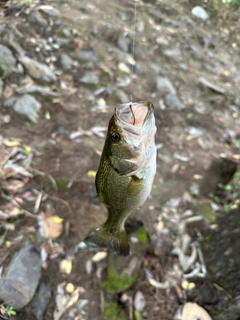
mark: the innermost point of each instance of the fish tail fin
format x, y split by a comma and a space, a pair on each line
103, 238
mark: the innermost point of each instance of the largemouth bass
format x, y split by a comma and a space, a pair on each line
126, 172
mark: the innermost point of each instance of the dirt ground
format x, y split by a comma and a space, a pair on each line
202, 125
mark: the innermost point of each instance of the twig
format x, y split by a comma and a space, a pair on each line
37, 202
65, 203
13, 201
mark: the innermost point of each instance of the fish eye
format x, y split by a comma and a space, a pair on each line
115, 137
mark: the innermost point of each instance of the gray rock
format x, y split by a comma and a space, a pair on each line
15, 46
18, 286
66, 61
36, 18
62, 41
200, 13
37, 70
123, 43
41, 301
164, 86
45, 92
28, 106
49, 10
84, 55
66, 32
122, 56
174, 54
211, 85
7, 59
172, 100
9, 102
90, 78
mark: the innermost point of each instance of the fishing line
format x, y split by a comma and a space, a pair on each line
133, 47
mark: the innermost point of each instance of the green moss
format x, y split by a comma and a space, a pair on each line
62, 184
137, 315
116, 283
205, 243
142, 235
213, 268
206, 211
112, 311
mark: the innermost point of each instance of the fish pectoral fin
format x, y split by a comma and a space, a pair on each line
103, 238
134, 186
123, 166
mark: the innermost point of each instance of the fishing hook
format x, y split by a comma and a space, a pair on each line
132, 114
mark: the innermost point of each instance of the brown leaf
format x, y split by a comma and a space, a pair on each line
53, 226
192, 311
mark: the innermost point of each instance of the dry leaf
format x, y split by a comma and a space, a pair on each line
157, 284
53, 226
69, 287
92, 173
11, 143
99, 256
123, 67
66, 266
192, 311
188, 285
139, 301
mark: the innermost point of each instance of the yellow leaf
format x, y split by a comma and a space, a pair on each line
188, 285
99, 256
74, 298
7, 244
66, 266
11, 143
69, 288
91, 173
53, 226
47, 115
98, 152
160, 224
28, 149
57, 219
227, 73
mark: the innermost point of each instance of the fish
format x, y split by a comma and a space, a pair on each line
126, 172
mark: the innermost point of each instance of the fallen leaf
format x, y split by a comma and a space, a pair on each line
188, 285
123, 67
99, 256
91, 173
157, 284
139, 301
192, 311
160, 224
69, 287
47, 115
66, 266
11, 143
53, 226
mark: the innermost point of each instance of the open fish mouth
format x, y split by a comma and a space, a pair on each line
133, 113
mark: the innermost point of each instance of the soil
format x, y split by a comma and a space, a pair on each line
202, 49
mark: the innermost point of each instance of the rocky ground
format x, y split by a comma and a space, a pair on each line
64, 66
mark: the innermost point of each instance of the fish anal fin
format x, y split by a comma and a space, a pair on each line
103, 238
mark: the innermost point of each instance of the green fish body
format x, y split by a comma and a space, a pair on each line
126, 172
